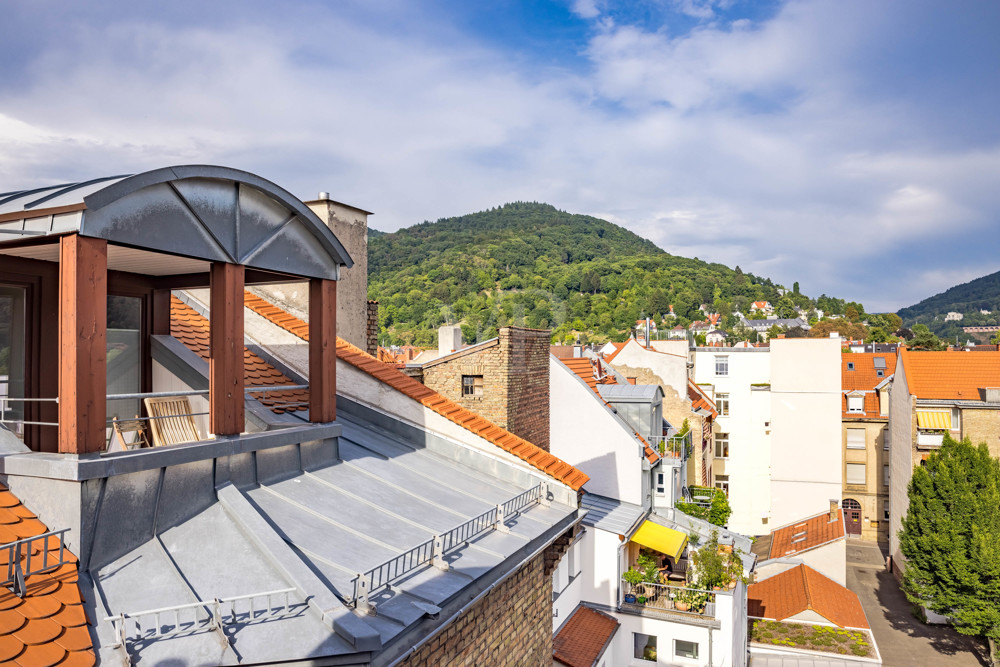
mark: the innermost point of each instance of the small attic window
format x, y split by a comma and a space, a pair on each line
879, 372
850, 365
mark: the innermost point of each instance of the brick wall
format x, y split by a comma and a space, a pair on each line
982, 426
512, 625
371, 329
515, 371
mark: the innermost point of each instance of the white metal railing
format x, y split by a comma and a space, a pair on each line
24, 550
204, 615
674, 446
670, 598
434, 549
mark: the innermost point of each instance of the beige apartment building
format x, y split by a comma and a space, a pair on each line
865, 379
934, 393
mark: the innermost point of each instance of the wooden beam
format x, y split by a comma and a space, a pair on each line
83, 321
196, 280
322, 350
226, 350
160, 305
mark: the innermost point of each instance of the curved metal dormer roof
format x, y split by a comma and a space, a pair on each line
212, 213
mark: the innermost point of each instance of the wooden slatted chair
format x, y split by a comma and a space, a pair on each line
128, 434
170, 420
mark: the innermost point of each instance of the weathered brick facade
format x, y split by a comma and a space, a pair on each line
371, 329
515, 372
512, 625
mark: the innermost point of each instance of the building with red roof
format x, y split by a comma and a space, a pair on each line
865, 380
933, 394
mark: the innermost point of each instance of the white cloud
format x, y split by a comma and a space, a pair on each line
748, 143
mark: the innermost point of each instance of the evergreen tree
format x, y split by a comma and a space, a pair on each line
951, 538
923, 339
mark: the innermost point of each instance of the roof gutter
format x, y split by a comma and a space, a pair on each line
478, 598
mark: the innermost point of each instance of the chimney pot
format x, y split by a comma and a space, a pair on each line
323, 195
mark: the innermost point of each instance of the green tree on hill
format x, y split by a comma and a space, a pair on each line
923, 339
951, 538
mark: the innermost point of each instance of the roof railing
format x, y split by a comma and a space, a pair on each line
435, 549
203, 615
22, 563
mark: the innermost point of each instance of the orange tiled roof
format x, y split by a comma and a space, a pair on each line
48, 626
806, 534
191, 328
950, 375
524, 450
584, 369
700, 400
582, 639
803, 588
618, 348
864, 378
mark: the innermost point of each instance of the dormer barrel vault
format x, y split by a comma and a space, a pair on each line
67, 247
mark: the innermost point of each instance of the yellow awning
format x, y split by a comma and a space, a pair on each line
665, 540
935, 419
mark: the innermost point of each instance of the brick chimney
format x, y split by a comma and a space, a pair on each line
350, 225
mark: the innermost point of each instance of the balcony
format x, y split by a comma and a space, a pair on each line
644, 597
672, 447
929, 440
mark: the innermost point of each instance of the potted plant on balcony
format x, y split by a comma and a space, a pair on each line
633, 577
682, 602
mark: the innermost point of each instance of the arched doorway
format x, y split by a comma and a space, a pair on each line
852, 516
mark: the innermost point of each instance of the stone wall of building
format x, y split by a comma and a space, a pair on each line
512, 625
982, 426
515, 377
874, 493
371, 330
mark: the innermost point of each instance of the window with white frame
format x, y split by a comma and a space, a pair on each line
855, 438
722, 365
956, 419
855, 403
855, 473
685, 649
661, 484
722, 445
722, 403
722, 482
645, 646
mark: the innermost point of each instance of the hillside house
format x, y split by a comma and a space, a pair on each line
288, 488
764, 307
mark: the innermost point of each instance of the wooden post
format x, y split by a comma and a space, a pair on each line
161, 312
225, 366
83, 333
322, 350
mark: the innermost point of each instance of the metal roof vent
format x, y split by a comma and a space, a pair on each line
323, 195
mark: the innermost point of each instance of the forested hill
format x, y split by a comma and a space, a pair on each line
968, 298
533, 265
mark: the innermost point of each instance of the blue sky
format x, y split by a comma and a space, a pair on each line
853, 147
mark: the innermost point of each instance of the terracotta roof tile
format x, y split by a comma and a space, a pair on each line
419, 392
584, 369
950, 375
191, 328
48, 624
583, 637
699, 400
806, 534
803, 588
858, 373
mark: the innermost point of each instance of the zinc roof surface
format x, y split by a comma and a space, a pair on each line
864, 377
48, 626
610, 514
803, 588
583, 638
526, 451
950, 375
584, 368
806, 534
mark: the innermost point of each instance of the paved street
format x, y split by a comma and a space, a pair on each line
902, 639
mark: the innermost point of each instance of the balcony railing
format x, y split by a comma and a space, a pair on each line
674, 446
669, 598
929, 440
